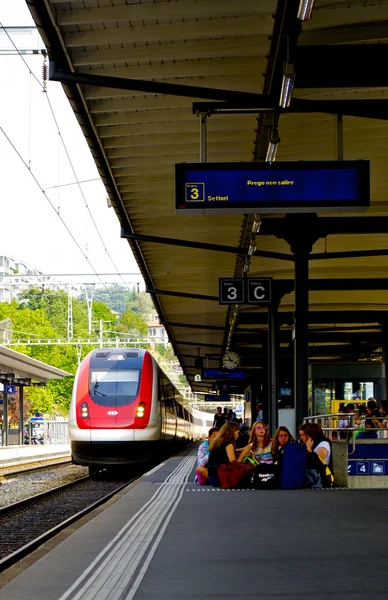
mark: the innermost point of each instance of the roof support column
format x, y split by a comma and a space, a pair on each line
301, 246
273, 364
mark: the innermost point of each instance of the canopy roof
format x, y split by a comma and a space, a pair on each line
139, 127
23, 366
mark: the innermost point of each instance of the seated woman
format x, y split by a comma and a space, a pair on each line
260, 449
222, 450
201, 474
302, 433
260, 444
317, 442
281, 438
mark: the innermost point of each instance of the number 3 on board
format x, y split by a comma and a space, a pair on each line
195, 192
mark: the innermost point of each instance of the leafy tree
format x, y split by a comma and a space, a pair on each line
115, 296
43, 313
131, 322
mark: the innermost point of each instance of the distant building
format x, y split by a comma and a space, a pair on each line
10, 287
156, 331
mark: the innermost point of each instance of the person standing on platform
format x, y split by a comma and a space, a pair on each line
219, 418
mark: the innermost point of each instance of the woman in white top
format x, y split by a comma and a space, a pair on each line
317, 442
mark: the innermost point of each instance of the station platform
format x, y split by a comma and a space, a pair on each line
11, 456
166, 538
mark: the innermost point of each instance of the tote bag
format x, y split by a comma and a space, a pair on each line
233, 474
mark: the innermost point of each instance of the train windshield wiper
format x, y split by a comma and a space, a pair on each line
96, 391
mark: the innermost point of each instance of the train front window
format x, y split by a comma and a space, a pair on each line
114, 387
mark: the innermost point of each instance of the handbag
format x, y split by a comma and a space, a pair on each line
264, 477
233, 474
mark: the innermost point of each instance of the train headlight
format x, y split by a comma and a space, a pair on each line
84, 411
140, 410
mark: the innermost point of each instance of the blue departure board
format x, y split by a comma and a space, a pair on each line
282, 187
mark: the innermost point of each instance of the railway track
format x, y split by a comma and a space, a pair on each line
33, 465
26, 525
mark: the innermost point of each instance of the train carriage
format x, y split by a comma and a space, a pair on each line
124, 409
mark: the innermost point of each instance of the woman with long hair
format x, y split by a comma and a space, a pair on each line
317, 442
281, 438
260, 444
222, 450
318, 446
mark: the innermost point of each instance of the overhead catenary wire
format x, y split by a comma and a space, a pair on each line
51, 204
68, 157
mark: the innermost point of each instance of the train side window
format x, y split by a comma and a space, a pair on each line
180, 410
169, 405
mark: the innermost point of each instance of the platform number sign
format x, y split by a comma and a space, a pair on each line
195, 192
259, 290
244, 291
231, 291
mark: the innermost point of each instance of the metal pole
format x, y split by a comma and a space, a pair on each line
5, 417
101, 333
89, 303
203, 138
21, 415
340, 138
70, 332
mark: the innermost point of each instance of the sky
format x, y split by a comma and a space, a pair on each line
34, 157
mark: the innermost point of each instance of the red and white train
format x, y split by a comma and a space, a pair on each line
124, 409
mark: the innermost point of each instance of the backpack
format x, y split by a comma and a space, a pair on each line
318, 474
293, 466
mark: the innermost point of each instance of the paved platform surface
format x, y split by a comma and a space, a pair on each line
166, 538
14, 455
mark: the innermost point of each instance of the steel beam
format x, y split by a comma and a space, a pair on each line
151, 87
372, 109
201, 245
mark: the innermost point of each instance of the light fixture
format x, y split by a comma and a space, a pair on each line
272, 147
247, 265
305, 10
256, 224
252, 247
287, 85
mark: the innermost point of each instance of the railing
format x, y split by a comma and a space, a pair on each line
48, 433
355, 424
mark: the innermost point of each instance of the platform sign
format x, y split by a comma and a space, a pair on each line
259, 290
277, 187
363, 467
231, 291
215, 398
238, 290
223, 374
368, 467
10, 389
285, 392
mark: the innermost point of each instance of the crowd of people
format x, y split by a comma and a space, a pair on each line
371, 421
223, 446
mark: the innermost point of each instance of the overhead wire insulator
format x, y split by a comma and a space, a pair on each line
45, 72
